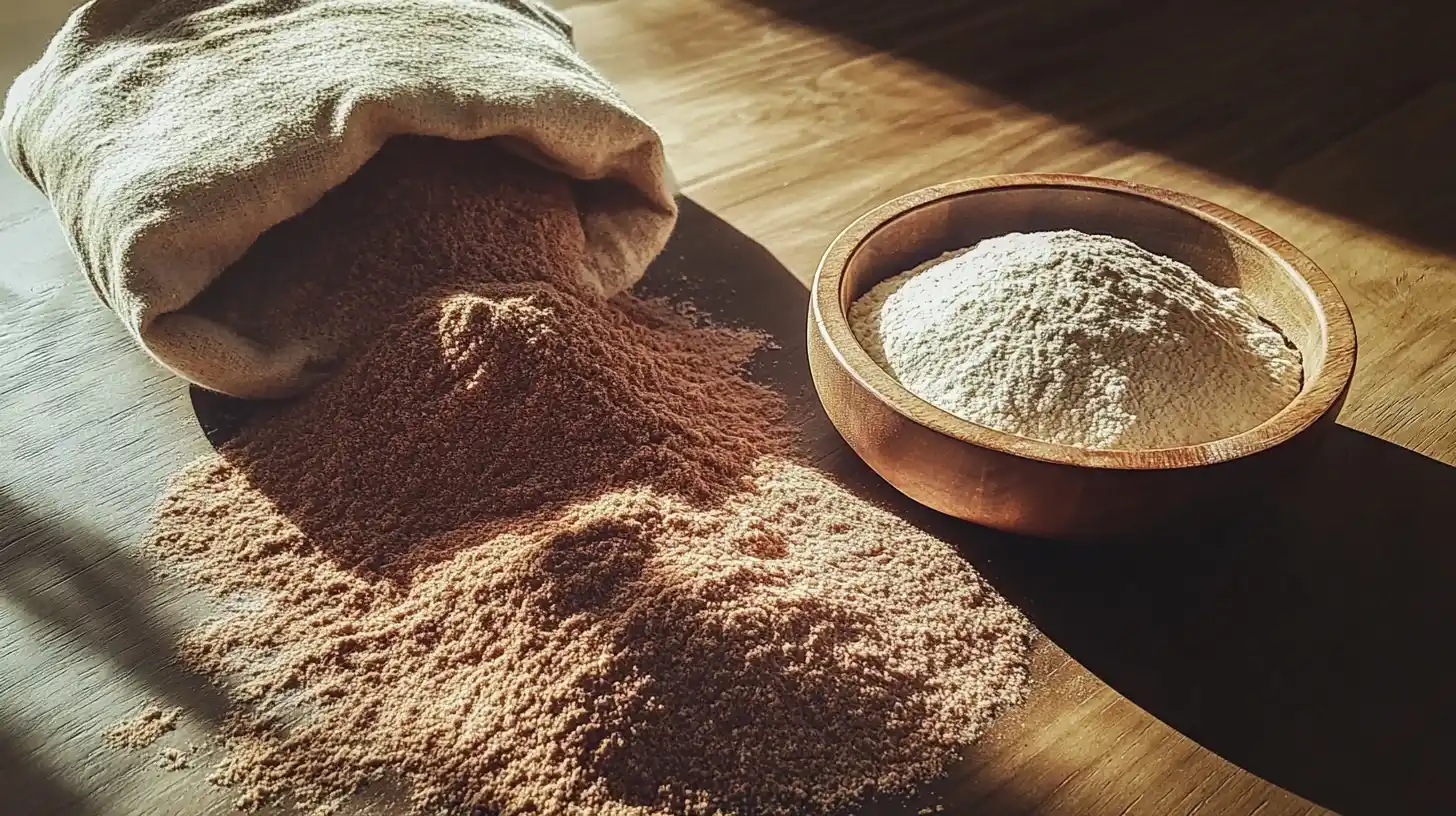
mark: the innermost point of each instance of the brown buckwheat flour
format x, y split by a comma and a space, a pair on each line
538, 552
422, 213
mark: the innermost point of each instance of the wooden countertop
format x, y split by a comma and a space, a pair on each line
1285, 668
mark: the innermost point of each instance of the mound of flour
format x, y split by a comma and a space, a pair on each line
1079, 339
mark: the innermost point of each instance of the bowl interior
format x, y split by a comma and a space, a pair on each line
1217, 251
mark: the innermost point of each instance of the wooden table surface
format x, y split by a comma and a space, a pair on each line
1287, 667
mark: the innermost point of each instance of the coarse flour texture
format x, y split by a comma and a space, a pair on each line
1085, 340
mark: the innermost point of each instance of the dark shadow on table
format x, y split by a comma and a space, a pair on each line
28, 786
72, 579
1305, 647
1245, 88
1302, 648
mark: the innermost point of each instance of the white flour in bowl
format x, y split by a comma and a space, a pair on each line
1079, 339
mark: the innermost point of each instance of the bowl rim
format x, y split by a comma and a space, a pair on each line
1315, 398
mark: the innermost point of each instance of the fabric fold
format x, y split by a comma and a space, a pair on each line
170, 134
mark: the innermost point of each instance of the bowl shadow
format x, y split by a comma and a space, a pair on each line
1299, 642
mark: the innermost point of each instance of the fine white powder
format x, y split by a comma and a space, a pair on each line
1085, 340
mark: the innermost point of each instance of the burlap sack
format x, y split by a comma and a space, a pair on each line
170, 134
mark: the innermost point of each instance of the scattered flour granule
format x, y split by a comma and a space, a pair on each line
1079, 339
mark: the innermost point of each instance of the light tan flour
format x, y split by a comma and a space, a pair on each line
144, 729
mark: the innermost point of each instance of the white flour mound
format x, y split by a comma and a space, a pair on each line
1079, 339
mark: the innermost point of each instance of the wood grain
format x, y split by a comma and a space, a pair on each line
1033, 487
1282, 667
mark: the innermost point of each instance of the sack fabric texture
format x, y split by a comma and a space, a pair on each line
170, 134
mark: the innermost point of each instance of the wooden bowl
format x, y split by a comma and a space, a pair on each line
1040, 488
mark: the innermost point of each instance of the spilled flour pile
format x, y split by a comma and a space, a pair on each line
143, 730
536, 552
415, 216
1079, 339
